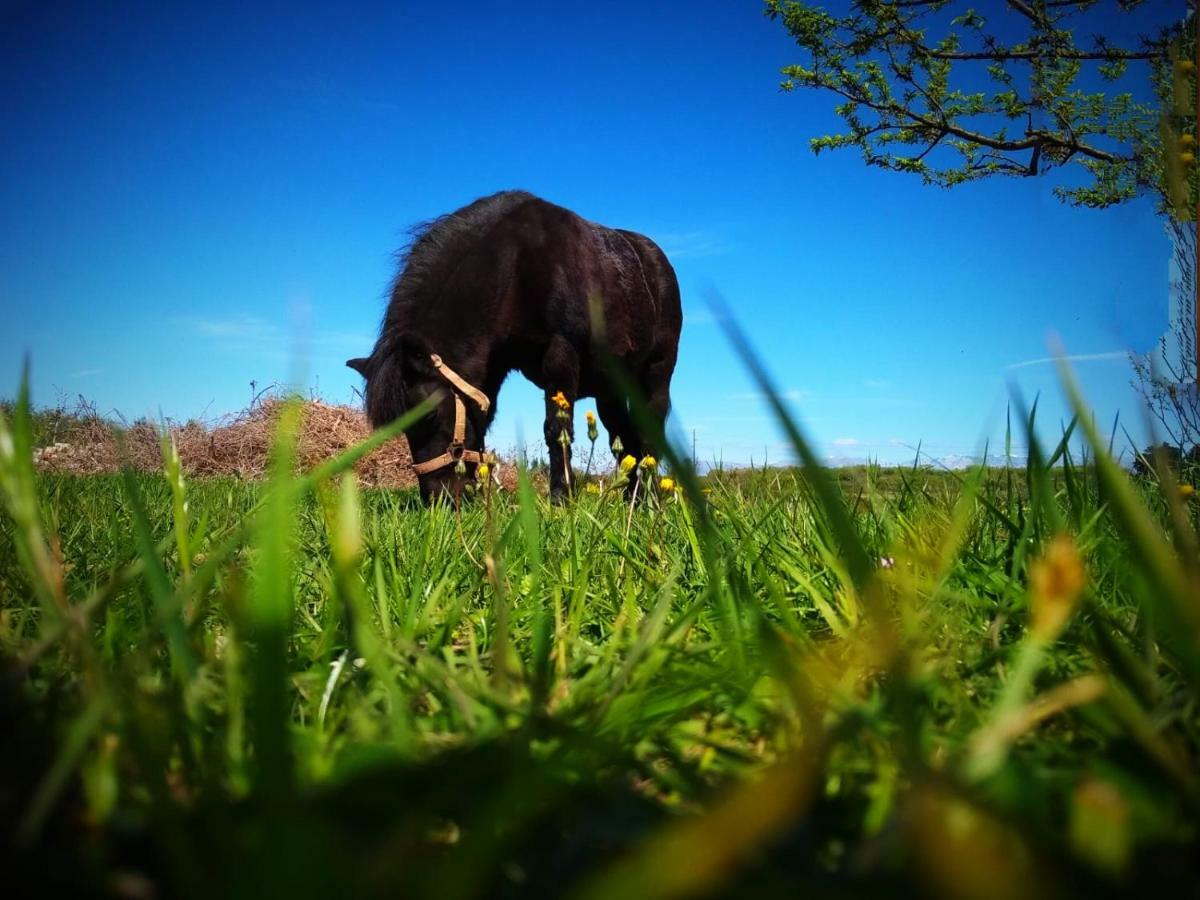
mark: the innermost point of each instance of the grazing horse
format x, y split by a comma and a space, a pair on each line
507, 284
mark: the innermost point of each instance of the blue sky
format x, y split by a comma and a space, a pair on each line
194, 197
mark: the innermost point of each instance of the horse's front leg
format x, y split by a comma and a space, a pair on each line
560, 374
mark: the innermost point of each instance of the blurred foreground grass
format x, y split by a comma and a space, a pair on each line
968, 684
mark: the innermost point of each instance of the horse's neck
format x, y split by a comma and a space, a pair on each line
473, 360
475, 352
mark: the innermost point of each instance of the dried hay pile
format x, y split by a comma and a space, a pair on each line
237, 446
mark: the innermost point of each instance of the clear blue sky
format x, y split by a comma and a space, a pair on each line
196, 196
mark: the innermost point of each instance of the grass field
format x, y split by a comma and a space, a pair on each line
896, 683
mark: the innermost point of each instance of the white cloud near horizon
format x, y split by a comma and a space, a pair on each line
792, 395
691, 244
698, 317
245, 334
1108, 356
240, 327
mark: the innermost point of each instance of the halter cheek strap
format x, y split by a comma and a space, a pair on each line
480, 398
456, 451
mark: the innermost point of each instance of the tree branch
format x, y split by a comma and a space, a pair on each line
1030, 13
890, 60
937, 140
1033, 139
1008, 55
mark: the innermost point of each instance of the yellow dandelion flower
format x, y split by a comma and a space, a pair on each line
627, 464
593, 488
1055, 580
483, 471
649, 462
1187, 140
1187, 158
1186, 491
561, 401
591, 418
667, 485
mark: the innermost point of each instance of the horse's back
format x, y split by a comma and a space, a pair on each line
529, 270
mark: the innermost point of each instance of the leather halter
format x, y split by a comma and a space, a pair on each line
456, 451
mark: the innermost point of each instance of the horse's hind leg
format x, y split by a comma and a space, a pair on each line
622, 433
656, 383
619, 425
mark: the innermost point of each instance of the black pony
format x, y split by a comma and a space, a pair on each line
506, 283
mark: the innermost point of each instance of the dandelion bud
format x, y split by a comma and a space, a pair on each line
592, 431
1187, 140
1186, 491
1187, 158
460, 468
617, 447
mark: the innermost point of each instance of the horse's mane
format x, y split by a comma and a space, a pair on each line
424, 264
434, 248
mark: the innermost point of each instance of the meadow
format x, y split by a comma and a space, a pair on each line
875, 682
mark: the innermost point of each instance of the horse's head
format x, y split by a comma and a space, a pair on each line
400, 376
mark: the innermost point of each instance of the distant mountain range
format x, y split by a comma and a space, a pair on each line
951, 461
954, 461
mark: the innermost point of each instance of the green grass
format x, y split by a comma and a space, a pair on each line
293, 689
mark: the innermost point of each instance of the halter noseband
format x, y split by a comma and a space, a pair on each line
456, 451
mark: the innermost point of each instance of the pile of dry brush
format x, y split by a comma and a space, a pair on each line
84, 443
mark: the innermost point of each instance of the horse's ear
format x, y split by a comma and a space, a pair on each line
359, 365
